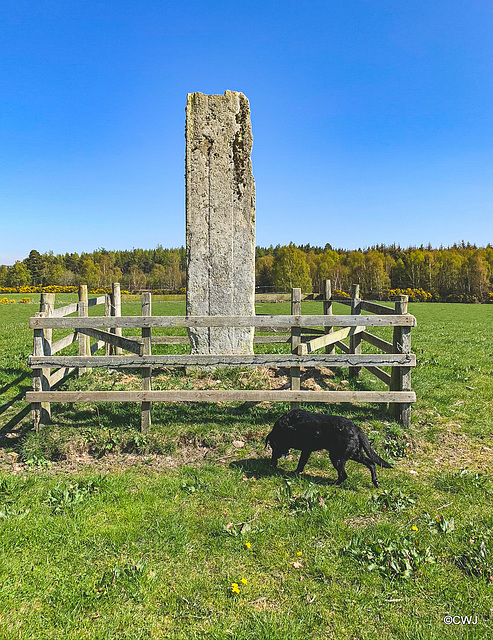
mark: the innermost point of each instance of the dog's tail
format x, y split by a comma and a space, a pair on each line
371, 453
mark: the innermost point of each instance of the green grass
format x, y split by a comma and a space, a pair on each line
107, 533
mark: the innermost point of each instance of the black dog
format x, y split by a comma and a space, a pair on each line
298, 429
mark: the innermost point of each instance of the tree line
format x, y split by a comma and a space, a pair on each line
135, 269
460, 272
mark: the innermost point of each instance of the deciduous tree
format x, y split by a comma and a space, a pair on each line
291, 270
19, 275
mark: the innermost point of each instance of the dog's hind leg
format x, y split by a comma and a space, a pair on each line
340, 465
302, 461
360, 457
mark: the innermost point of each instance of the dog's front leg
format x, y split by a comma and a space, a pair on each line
303, 460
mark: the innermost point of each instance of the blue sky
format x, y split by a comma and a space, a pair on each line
372, 119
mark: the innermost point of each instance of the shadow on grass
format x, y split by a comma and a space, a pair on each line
219, 414
127, 415
13, 422
257, 467
260, 414
16, 419
20, 396
23, 375
262, 467
164, 414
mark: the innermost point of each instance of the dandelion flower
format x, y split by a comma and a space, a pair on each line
243, 581
248, 545
414, 527
300, 553
235, 588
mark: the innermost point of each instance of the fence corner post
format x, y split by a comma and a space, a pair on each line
145, 422
84, 341
107, 314
295, 372
41, 411
327, 306
38, 349
355, 340
116, 311
401, 376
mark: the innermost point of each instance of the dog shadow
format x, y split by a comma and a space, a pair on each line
262, 467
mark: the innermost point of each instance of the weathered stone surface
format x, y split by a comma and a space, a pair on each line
220, 226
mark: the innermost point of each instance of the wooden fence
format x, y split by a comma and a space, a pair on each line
306, 334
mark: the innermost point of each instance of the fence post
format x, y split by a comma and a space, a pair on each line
38, 409
327, 295
355, 340
116, 310
46, 306
42, 346
401, 376
147, 371
107, 314
295, 372
84, 341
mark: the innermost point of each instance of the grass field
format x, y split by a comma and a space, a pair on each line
188, 533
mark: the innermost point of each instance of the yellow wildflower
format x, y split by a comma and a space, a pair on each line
248, 545
243, 581
414, 527
300, 553
235, 588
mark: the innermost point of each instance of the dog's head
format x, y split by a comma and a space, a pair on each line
278, 450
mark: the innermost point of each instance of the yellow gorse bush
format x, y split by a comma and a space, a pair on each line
55, 288
337, 293
415, 295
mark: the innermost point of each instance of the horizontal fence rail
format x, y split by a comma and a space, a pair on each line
374, 307
205, 395
312, 340
286, 322
74, 307
256, 360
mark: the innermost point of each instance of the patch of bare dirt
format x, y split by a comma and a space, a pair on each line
358, 522
261, 604
112, 462
453, 451
259, 378
131, 381
314, 379
311, 384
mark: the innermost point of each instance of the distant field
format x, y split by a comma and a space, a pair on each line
109, 533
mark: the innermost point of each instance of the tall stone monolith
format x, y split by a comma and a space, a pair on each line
220, 207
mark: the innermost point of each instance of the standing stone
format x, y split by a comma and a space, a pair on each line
220, 205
